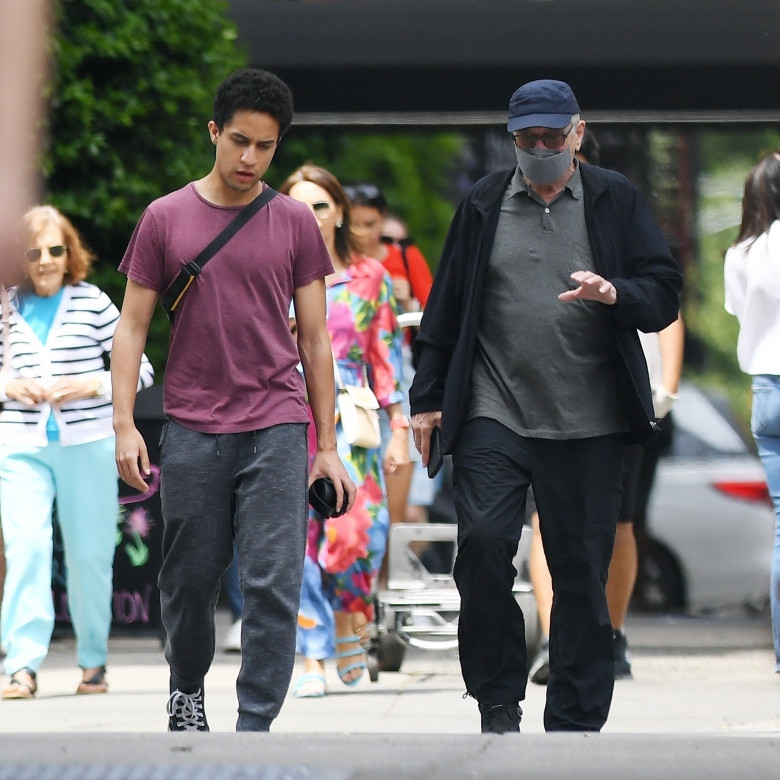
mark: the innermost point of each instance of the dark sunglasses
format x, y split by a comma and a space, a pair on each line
34, 254
527, 140
366, 195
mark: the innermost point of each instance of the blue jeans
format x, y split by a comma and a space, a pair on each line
765, 426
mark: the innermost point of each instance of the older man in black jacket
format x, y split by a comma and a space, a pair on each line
530, 362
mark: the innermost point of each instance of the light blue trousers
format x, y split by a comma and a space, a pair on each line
83, 480
765, 426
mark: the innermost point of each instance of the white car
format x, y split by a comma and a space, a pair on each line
710, 520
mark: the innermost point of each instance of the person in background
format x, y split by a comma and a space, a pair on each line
752, 280
412, 282
530, 363
233, 453
395, 230
423, 489
409, 271
344, 554
57, 446
664, 353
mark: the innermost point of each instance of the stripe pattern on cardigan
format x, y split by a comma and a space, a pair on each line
79, 344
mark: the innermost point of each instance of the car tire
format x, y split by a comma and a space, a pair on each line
659, 586
372, 663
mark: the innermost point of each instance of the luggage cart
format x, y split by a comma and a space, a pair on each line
420, 605
420, 608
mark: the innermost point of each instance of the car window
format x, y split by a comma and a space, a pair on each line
702, 427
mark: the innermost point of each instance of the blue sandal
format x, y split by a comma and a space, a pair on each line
361, 665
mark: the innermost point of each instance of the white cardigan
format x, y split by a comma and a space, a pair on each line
79, 340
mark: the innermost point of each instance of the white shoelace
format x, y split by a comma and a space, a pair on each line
187, 708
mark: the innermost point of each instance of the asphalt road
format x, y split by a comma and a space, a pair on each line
704, 702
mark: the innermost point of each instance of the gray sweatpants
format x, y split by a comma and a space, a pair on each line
251, 485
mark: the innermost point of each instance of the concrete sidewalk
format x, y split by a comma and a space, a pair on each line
705, 700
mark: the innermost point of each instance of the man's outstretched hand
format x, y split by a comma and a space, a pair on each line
592, 287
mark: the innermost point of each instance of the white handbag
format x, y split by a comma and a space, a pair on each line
358, 413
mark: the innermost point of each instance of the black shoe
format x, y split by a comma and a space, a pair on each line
500, 718
185, 711
622, 656
539, 672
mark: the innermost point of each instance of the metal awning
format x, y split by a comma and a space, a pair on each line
458, 61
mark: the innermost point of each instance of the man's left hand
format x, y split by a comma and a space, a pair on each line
592, 287
327, 463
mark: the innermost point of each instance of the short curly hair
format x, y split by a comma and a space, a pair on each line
80, 258
253, 89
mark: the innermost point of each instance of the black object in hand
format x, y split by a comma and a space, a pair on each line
322, 496
435, 457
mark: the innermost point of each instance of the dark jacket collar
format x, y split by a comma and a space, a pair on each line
490, 189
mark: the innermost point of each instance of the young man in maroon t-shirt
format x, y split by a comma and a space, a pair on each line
233, 453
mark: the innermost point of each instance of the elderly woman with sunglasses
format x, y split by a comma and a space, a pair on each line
57, 444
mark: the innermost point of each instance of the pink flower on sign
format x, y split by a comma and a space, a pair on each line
138, 522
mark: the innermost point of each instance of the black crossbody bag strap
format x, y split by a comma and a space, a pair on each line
172, 296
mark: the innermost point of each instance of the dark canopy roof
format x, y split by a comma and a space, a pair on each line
461, 59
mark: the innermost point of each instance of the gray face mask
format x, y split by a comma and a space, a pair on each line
544, 166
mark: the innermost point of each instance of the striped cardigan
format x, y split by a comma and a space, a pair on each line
80, 339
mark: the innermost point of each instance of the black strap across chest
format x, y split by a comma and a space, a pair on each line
172, 296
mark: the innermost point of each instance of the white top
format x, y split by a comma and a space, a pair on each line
752, 275
651, 345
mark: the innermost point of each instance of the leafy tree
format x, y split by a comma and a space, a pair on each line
130, 97
415, 170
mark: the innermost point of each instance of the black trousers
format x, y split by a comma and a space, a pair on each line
576, 484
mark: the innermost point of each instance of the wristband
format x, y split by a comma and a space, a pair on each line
398, 423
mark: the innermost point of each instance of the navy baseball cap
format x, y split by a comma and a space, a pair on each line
543, 103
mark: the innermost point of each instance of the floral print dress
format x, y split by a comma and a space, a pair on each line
344, 554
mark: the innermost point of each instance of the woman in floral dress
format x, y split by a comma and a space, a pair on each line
345, 553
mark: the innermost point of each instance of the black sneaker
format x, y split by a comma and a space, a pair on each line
185, 711
622, 656
539, 672
500, 718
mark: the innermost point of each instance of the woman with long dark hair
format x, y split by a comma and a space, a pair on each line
752, 275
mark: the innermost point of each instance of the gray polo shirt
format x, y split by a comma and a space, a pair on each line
544, 368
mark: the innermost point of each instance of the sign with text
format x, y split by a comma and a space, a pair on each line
138, 554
